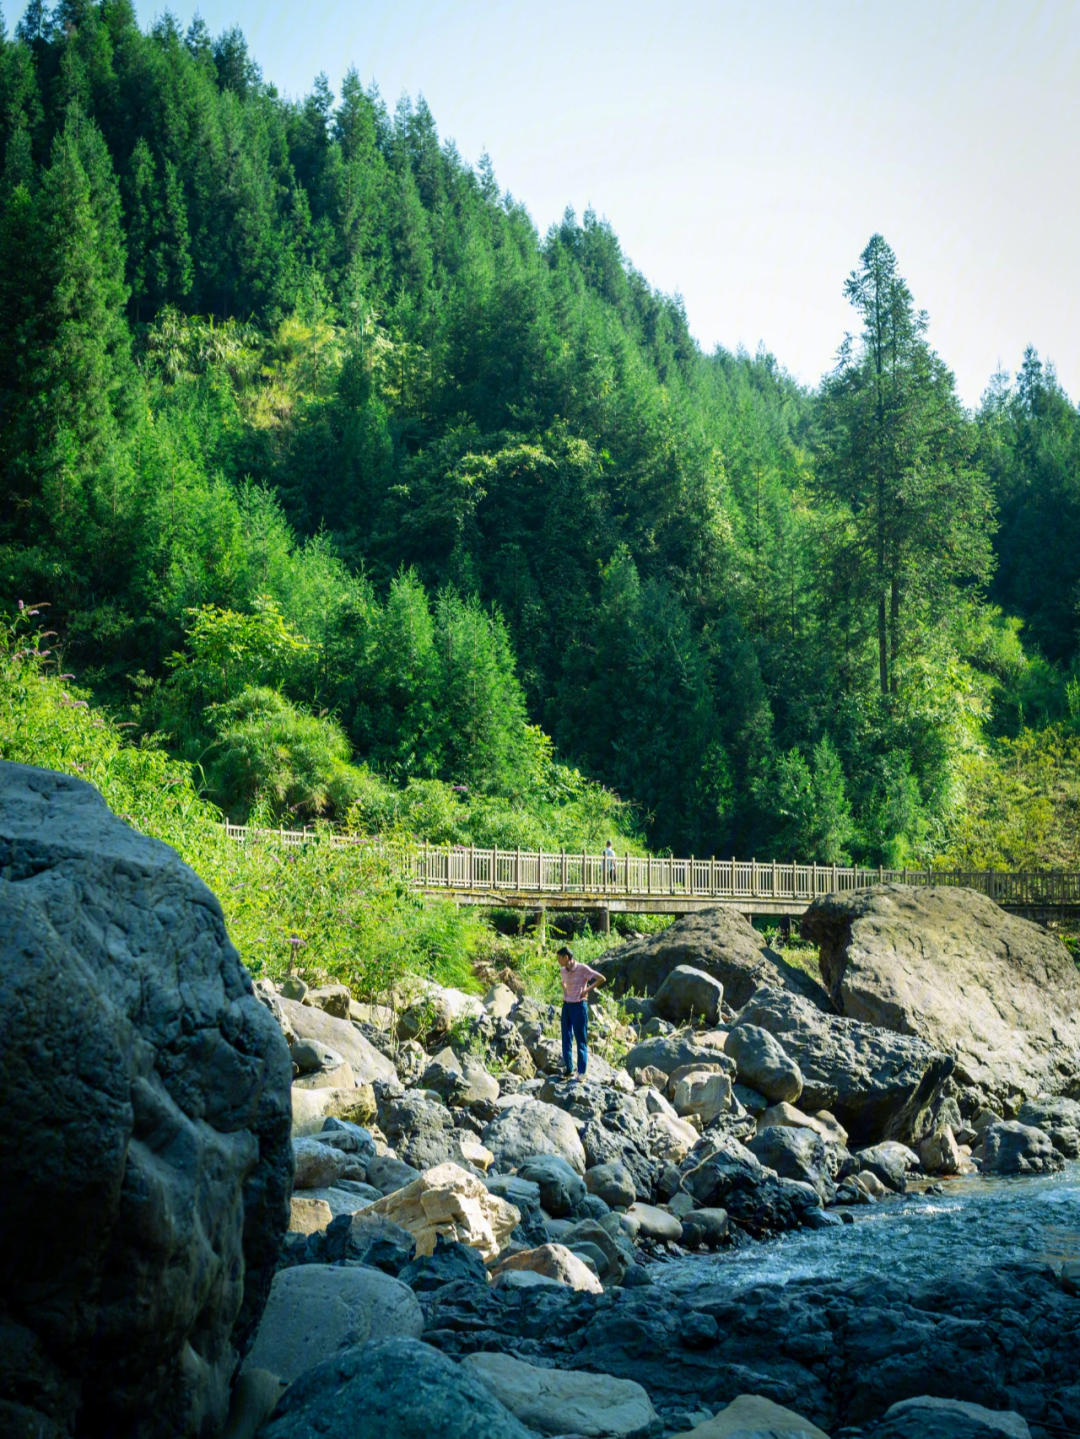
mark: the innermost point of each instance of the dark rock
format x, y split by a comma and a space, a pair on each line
673, 1051
146, 1163
1060, 1118
398, 1387
1010, 1147
388, 1173
303, 1021
718, 941
997, 993
879, 1085
797, 1154
420, 1130
449, 1264
363, 1238
733, 1179
689, 994
561, 1187
533, 1128
890, 1162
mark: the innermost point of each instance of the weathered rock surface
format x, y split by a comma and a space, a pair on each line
999, 994
312, 1107
763, 1064
838, 1352
1014, 1148
562, 1401
314, 1308
341, 1035
688, 993
555, 1261
421, 1130
1060, 1118
796, 1154
398, 1387
561, 1187
939, 1152
308, 1215
449, 1201
145, 1143
718, 941
925, 1417
669, 1052
703, 1093
532, 1127
879, 1085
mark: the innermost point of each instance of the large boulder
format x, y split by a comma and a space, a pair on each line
314, 1308
398, 1387
304, 1021
554, 1261
688, 993
560, 1185
1013, 1148
669, 1052
421, 1130
1060, 1118
449, 1201
797, 1154
879, 1085
145, 1142
719, 942
565, 1401
763, 1065
997, 993
532, 1127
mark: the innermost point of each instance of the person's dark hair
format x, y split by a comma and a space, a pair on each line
564, 949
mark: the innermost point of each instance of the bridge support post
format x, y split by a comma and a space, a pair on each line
541, 925
605, 921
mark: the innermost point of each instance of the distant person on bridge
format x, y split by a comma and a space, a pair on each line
610, 871
578, 982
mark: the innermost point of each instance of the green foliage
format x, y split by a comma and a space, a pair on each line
452, 526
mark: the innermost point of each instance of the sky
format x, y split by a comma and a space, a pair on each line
744, 153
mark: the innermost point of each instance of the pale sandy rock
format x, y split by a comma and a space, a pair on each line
308, 1216
332, 999
473, 1152
311, 1106
870, 1184
751, 1414
500, 1001
447, 1200
561, 1401
524, 1279
339, 1077
670, 1138
314, 1308
706, 1095
555, 1261
939, 1153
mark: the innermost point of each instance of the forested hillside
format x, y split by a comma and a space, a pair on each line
370, 501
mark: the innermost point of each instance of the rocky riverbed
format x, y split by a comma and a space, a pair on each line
783, 1208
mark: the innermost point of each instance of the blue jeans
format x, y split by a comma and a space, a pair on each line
575, 1024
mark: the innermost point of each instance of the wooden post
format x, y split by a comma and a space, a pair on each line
834, 879
562, 870
472, 866
584, 871
691, 876
495, 867
540, 869
712, 874
626, 872
648, 875
774, 879
517, 869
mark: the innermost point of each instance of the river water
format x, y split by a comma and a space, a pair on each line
915, 1237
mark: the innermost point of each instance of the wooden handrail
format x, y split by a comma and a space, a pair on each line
469, 870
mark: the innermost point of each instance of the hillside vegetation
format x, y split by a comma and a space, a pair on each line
373, 504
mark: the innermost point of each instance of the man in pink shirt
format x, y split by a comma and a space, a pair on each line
578, 982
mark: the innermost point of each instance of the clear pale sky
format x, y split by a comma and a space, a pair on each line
745, 152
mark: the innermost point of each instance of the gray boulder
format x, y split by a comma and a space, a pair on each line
890, 1162
561, 1187
762, 1064
720, 942
305, 1021
797, 1154
613, 1183
879, 1085
1060, 1118
1010, 1147
669, 1052
460, 1082
145, 1145
997, 993
315, 1308
688, 994
420, 1130
529, 1128
398, 1387
730, 1177
388, 1173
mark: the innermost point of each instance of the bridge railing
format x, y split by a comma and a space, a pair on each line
472, 870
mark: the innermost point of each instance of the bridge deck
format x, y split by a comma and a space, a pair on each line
641, 884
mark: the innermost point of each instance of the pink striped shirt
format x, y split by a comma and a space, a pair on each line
574, 978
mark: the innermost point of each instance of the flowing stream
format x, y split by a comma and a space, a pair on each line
914, 1238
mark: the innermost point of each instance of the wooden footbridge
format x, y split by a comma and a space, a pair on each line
564, 882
